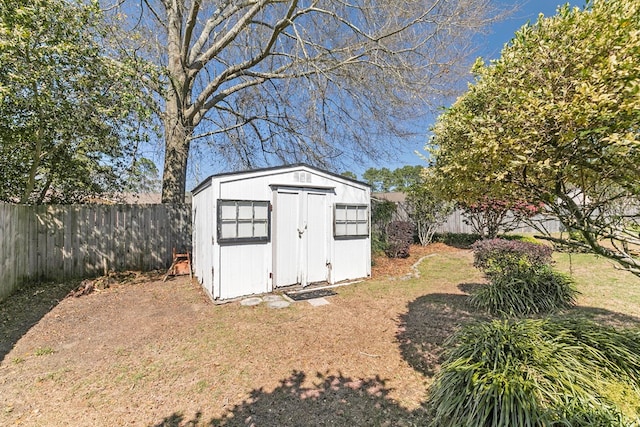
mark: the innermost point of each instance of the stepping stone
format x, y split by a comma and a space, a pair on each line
317, 302
270, 298
248, 302
278, 304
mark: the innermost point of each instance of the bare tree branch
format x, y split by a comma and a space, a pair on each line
298, 80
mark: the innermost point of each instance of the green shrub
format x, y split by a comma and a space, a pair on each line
458, 240
521, 279
499, 257
520, 238
399, 239
378, 243
574, 237
540, 372
533, 290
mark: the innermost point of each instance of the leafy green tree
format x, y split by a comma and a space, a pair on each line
405, 177
380, 180
68, 115
143, 177
349, 174
427, 207
399, 179
556, 120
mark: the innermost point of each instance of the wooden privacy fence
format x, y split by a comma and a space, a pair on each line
455, 224
64, 241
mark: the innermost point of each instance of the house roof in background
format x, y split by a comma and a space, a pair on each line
392, 196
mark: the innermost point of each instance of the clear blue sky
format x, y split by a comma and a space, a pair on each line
490, 47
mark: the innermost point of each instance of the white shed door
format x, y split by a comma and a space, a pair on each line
301, 237
285, 240
314, 239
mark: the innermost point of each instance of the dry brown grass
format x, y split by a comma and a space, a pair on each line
152, 353
161, 353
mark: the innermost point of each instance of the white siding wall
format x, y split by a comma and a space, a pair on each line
203, 220
352, 259
246, 268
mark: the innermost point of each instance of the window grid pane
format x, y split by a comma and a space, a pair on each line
261, 211
228, 211
351, 213
228, 230
362, 214
351, 220
260, 229
244, 220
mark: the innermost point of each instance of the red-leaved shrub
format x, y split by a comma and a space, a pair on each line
399, 238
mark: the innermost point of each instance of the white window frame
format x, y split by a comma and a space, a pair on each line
237, 217
350, 221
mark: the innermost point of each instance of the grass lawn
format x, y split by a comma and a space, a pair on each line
602, 284
149, 353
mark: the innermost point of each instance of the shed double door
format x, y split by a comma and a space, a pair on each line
301, 240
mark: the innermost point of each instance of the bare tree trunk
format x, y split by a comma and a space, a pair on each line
177, 127
33, 170
177, 139
174, 177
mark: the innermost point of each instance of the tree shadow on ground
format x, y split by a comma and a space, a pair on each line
178, 420
334, 400
603, 317
470, 288
429, 321
432, 319
23, 309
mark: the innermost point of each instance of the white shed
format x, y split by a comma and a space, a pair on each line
258, 230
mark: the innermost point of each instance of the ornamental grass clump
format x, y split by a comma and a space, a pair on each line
538, 372
521, 280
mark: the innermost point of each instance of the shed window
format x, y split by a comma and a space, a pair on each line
351, 221
243, 221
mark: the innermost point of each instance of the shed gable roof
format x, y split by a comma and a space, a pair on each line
207, 182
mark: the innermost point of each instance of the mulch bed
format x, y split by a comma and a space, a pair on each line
384, 266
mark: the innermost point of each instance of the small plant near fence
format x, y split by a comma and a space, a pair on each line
427, 208
522, 281
381, 214
490, 216
399, 239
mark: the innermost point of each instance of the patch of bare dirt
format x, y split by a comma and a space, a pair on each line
27, 306
144, 352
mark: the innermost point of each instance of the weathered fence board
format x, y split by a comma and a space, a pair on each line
455, 222
82, 240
